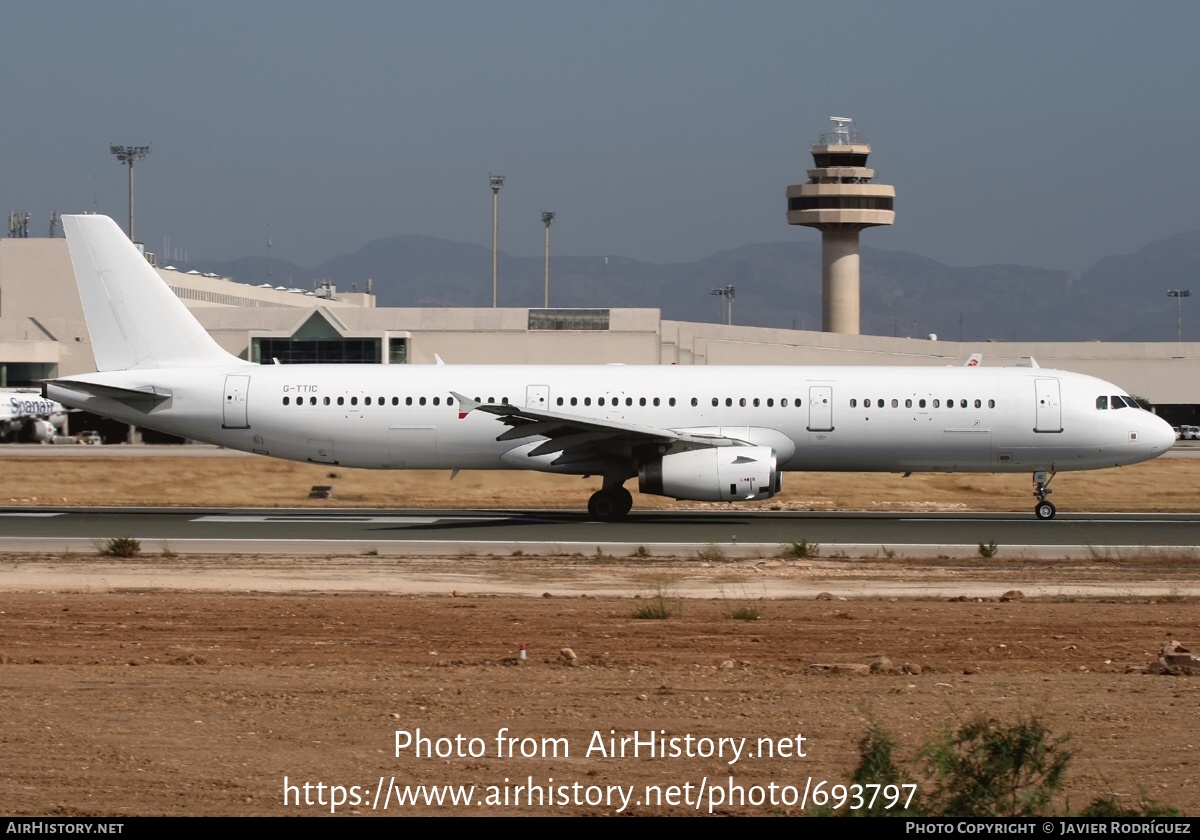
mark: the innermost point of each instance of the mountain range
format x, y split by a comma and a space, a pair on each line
1120, 298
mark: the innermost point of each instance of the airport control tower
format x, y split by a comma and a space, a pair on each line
840, 200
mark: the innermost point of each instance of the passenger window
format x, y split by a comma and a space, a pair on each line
991, 403
437, 400
978, 404
729, 402
908, 403
422, 401
937, 403
367, 401
642, 401
574, 400
895, 403
742, 402
866, 403
600, 401
587, 400
395, 401
670, 401
756, 402
797, 402
560, 401
629, 401
695, 402
716, 402
504, 400
408, 400
341, 400
854, 403
921, 404
962, 403
783, 402
770, 402
287, 400
327, 401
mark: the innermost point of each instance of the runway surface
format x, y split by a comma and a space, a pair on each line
737, 533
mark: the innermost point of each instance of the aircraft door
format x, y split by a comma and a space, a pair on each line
537, 396
820, 408
1049, 406
235, 414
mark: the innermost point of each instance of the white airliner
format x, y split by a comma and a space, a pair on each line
698, 433
26, 415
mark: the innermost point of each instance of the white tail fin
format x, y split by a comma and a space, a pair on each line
134, 318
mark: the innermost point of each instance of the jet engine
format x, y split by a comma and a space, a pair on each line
715, 474
37, 430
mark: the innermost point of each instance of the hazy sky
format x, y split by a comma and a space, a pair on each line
1044, 133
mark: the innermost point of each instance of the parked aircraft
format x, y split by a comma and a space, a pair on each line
26, 415
702, 433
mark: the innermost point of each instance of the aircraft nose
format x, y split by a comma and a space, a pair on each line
1160, 435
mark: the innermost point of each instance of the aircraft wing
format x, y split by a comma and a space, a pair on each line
579, 438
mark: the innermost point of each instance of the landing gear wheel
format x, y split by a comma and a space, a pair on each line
610, 505
1041, 488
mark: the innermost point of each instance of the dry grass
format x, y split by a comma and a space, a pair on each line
1162, 485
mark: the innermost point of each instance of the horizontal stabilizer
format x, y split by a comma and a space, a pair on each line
140, 397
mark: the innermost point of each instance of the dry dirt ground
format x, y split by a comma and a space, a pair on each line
237, 480
193, 702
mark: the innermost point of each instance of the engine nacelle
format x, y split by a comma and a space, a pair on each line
37, 431
716, 474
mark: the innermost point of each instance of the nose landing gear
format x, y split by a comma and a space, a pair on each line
1041, 488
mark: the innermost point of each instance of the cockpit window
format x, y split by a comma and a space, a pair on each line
1117, 402
1102, 403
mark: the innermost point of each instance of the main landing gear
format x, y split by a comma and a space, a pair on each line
610, 504
1041, 488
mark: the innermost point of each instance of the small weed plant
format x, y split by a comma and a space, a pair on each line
802, 550
121, 547
988, 549
660, 605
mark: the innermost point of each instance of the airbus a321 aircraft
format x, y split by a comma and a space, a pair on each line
702, 433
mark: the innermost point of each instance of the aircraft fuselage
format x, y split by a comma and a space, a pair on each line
890, 419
